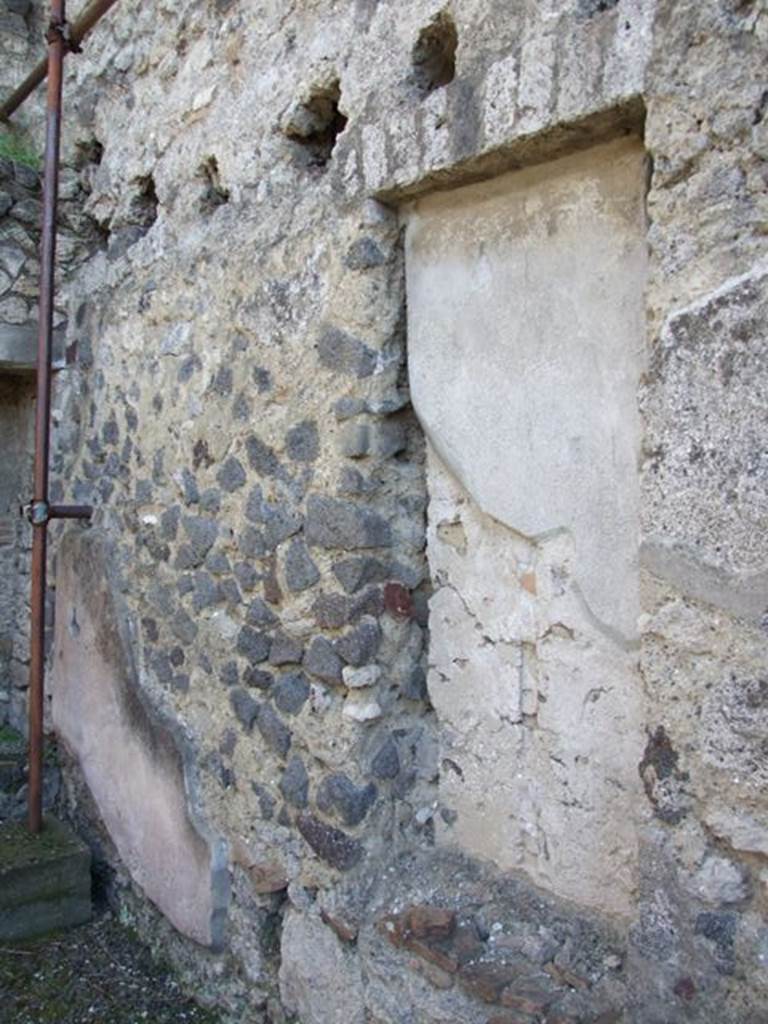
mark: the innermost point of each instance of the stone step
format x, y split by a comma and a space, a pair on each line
45, 880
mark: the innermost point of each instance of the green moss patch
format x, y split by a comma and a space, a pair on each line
20, 848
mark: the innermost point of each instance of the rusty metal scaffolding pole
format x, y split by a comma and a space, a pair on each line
40, 511
74, 35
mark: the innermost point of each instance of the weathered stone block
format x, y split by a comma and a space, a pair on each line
319, 981
705, 479
45, 880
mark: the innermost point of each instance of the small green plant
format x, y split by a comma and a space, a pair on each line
16, 146
9, 737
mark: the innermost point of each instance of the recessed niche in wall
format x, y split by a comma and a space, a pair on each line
214, 193
315, 123
434, 54
526, 346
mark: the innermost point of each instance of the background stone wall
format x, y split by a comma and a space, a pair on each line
241, 420
20, 215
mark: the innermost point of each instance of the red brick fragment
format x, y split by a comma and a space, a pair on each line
685, 988
418, 929
426, 922
398, 601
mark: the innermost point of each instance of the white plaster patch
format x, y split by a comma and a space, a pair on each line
525, 339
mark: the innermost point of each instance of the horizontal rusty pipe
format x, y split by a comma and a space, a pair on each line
77, 31
56, 50
40, 512
70, 511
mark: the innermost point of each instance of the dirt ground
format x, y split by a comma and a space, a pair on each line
96, 974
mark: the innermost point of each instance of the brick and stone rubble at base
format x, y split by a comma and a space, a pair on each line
240, 416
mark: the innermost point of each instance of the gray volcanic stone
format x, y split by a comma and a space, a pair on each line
180, 682
333, 523
201, 534
388, 438
210, 500
285, 650
352, 482
251, 543
253, 645
160, 597
330, 844
369, 603
258, 678
110, 432
161, 665
261, 457
294, 784
259, 614
254, 505
144, 491
266, 801
364, 254
322, 661
217, 562
300, 571
302, 443
230, 674
183, 627
246, 575
279, 520
331, 611
189, 365
191, 491
231, 475
348, 406
344, 353
207, 592
339, 793
280, 523
230, 592
222, 382
262, 378
415, 686
290, 693
355, 440
354, 573
241, 407
244, 706
273, 729
151, 632
359, 646
386, 761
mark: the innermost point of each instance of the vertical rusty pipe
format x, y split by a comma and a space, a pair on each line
56, 48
